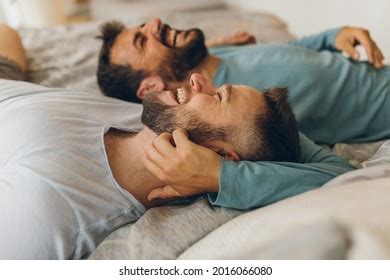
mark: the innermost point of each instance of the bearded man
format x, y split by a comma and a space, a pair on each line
334, 98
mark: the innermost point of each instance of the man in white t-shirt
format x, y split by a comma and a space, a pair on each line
53, 165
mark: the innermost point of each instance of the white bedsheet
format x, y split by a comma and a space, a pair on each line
346, 219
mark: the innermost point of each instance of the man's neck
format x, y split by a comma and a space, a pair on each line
125, 158
208, 68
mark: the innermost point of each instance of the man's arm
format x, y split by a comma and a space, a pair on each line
318, 42
246, 184
190, 169
236, 39
11, 47
344, 40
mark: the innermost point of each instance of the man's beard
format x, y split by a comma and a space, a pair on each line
162, 118
181, 60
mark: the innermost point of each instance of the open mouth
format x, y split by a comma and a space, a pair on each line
175, 97
168, 36
182, 95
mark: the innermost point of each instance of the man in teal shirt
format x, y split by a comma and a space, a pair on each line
335, 99
231, 177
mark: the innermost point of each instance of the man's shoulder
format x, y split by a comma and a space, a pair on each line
220, 51
12, 90
246, 48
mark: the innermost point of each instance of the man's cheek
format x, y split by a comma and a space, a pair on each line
206, 113
201, 103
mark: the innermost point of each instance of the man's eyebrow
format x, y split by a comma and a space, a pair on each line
136, 36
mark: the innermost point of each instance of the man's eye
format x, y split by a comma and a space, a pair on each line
219, 96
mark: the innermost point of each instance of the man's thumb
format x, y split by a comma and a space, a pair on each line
163, 193
155, 194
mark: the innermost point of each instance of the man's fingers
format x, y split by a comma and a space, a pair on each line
239, 34
368, 45
378, 51
381, 55
151, 163
249, 39
155, 194
352, 52
252, 40
153, 154
165, 192
242, 37
163, 144
369, 51
180, 137
378, 60
378, 57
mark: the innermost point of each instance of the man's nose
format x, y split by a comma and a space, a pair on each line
154, 25
201, 84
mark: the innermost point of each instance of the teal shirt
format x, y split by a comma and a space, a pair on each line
246, 184
334, 98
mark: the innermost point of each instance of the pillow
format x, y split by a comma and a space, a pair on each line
382, 156
353, 217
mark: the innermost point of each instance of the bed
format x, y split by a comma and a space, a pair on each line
346, 219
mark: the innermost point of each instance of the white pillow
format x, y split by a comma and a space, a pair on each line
382, 156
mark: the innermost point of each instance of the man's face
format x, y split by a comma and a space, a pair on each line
200, 102
156, 48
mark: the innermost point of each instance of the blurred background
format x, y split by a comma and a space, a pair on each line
303, 16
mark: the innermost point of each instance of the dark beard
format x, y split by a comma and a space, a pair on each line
181, 60
158, 116
162, 118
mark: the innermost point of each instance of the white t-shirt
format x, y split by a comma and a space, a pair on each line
58, 197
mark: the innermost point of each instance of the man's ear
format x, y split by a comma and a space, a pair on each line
224, 149
152, 83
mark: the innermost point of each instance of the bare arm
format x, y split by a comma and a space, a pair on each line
11, 46
236, 39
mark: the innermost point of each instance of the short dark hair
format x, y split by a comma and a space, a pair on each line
118, 81
278, 138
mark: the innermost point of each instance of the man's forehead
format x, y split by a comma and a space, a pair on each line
123, 46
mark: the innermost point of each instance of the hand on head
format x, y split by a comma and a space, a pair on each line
183, 167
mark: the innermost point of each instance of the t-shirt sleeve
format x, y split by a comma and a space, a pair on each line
12, 89
10, 70
322, 41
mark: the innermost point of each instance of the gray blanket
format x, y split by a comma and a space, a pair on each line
164, 232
